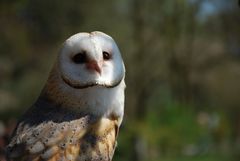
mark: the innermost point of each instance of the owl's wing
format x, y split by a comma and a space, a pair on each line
48, 133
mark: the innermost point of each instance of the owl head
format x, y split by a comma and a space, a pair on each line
90, 59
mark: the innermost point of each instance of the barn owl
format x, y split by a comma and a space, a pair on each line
79, 111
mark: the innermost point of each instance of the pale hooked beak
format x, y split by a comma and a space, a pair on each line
93, 66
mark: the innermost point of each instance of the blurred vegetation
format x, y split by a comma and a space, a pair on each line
183, 68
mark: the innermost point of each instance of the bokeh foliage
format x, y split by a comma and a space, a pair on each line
182, 60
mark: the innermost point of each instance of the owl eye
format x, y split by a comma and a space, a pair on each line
79, 58
106, 55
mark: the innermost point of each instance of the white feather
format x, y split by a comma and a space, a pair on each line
98, 100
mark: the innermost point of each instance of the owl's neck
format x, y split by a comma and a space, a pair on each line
95, 100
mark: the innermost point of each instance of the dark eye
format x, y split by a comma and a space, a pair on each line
80, 58
106, 55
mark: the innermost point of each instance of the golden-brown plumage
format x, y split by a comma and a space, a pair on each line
53, 133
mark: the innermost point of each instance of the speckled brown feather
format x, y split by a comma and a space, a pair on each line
53, 134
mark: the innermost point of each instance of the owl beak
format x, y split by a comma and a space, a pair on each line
94, 66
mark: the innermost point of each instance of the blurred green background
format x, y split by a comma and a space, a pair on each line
183, 70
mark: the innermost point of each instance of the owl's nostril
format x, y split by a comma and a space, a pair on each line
93, 65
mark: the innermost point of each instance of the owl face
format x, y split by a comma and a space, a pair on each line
91, 59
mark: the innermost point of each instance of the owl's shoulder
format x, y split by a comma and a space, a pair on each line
45, 132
